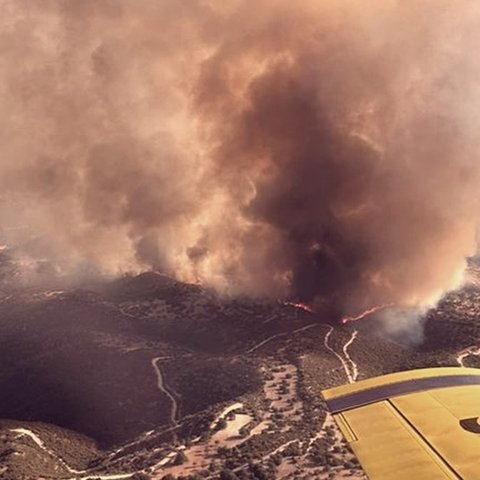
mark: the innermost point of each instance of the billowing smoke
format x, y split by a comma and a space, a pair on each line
325, 151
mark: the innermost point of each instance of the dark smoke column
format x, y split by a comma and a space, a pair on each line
325, 152
346, 132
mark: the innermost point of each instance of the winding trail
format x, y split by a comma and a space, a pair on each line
353, 374
28, 433
123, 311
38, 441
354, 366
278, 335
129, 444
466, 352
164, 389
110, 476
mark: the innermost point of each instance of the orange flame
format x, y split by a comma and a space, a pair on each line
366, 313
302, 306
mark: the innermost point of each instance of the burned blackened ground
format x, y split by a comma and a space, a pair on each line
64, 361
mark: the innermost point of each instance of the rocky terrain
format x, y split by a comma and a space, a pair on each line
146, 377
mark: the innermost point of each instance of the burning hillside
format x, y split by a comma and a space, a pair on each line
323, 152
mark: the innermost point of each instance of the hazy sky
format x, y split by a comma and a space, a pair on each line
318, 149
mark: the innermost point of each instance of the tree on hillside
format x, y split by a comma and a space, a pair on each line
168, 476
180, 458
140, 476
221, 425
227, 474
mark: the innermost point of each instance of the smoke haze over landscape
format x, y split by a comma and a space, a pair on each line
321, 151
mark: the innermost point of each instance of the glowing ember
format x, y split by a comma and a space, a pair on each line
366, 313
302, 306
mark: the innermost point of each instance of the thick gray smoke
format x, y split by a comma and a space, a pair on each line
326, 151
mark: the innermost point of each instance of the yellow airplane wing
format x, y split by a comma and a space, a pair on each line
416, 425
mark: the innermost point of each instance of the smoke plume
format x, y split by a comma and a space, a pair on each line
318, 150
